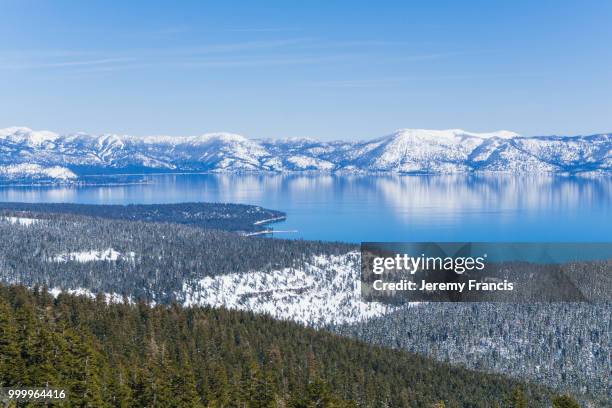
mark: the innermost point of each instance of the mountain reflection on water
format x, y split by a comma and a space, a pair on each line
380, 208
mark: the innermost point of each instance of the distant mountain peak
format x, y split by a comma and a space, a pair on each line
35, 137
453, 133
14, 129
223, 137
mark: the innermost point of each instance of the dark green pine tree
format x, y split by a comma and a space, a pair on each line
564, 401
82, 373
119, 391
517, 399
184, 388
318, 395
216, 385
261, 390
157, 380
43, 358
26, 328
140, 381
11, 365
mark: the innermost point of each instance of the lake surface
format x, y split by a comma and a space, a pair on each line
382, 208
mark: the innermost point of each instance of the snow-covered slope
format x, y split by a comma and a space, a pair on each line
326, 291
35, 172
25, 153
418, 150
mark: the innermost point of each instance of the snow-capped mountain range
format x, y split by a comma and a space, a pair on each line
25, 153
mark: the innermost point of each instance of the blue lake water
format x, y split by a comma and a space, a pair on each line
382, 208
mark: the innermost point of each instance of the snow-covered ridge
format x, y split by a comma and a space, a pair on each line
326, 291
27, 153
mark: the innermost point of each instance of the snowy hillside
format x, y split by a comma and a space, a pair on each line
327, 291
25, 153
35, 172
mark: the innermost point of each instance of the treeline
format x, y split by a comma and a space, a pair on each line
119, 355
157, 257
222, 216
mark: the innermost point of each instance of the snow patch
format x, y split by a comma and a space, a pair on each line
301, 162
269, 220
21, 220
108, 255
108, 297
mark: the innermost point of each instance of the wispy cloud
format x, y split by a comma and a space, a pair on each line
238, 46
204, 48
284, 60
162, 32
64, 64
263, 30
134, 58
361, 83
396, 81
252, 53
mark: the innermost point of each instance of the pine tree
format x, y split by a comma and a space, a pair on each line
184, 388
318, 395
26, 328
261, 392
564, 401
11, 366
120, 393
82, 371
518, 399
216, 384
42, 358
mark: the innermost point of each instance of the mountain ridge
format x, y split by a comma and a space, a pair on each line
405, 151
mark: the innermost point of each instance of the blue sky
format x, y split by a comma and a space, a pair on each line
324, 69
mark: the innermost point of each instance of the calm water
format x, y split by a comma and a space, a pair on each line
383, 208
